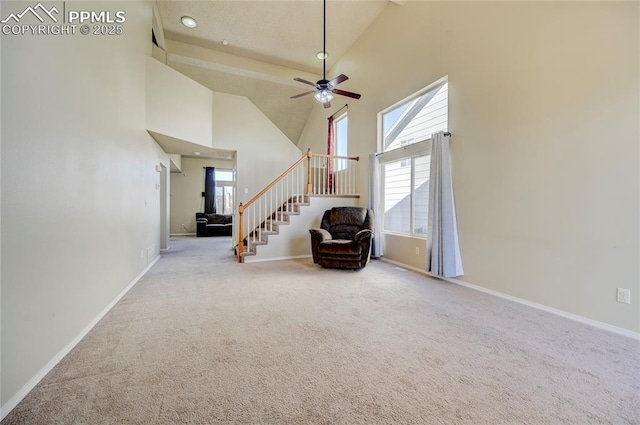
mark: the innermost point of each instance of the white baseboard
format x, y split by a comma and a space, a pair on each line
17, 398
261, 260
562, 313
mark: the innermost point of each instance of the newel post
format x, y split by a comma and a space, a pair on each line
309, 185
240, 232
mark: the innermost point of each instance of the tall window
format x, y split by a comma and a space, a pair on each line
224, 191
342, 146
406, 144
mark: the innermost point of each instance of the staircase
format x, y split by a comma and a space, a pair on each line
313, 175
271, 225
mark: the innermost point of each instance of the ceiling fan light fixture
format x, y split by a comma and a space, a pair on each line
325, 89
189, 22
324, 96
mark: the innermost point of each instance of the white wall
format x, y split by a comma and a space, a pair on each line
544, 111
176, 162
177, 106
263, 151
80, 207
186, 192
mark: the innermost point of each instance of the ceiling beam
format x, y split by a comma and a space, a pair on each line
189, 54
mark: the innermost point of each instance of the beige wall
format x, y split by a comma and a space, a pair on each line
263, 152
177, 106
543, 107
186, 192
406, 250
80, 205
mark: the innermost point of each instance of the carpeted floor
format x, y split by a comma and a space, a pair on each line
204, 340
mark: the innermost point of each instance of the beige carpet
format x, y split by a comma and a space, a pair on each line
204, 340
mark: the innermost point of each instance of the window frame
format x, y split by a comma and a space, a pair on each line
341, 164
436, 84
402, 154
226, 184
409, 152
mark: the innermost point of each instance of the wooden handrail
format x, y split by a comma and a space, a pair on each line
309, 189
308, 156
242, 206
273, 183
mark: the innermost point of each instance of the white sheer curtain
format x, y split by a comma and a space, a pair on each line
374, 204
443, 249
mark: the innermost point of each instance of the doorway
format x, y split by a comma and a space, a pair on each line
164, 209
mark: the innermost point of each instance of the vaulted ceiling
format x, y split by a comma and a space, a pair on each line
268, 43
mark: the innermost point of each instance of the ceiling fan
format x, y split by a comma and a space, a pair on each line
325, 89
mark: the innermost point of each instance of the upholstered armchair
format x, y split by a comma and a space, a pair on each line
344, 238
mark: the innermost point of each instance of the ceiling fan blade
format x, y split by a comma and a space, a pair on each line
305, 82
301, 94
339, 79
346, 93
327, 105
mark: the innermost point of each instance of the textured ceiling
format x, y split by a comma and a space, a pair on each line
287, 34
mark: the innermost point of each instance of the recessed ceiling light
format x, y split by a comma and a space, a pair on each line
322, 55
225, 42
188, 21
196, 153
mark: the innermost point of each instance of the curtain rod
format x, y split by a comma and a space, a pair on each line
346, 105
446, 133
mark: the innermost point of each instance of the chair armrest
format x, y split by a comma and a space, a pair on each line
320, 235
317, 236
364, 238
363, 234
201, 227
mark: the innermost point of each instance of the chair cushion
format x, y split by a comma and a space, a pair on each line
346, 221
219, 218
339, 246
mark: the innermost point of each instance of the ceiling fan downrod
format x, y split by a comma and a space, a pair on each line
325, 89
324, 40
